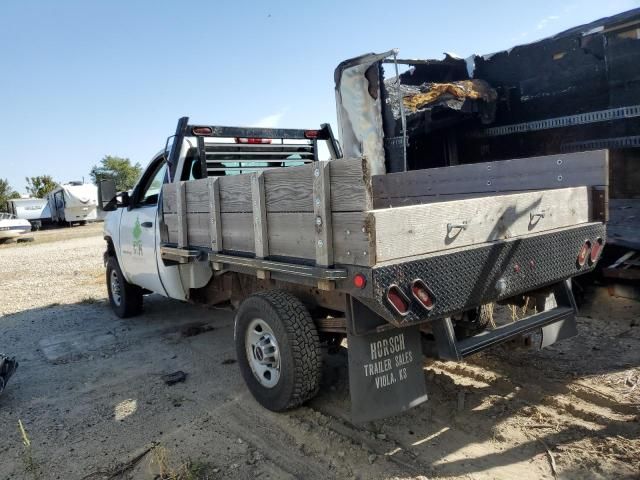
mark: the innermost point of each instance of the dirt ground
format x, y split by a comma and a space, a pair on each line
90, 396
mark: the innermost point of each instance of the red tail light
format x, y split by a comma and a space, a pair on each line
253, 140
422, 294
202, 130
583, 253
398, 300
596, 249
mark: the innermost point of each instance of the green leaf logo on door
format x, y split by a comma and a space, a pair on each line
137, 241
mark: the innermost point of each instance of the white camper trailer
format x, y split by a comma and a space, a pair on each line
36, 210
74, 202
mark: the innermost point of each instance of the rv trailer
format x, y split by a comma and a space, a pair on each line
73, 202
35, 210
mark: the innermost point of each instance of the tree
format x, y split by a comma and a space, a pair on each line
6, 194
40, 186
118, 169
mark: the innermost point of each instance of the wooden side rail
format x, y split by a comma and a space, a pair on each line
478, 179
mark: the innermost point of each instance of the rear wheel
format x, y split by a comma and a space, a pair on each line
125, 298
278, 349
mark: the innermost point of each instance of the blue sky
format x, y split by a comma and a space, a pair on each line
83, 79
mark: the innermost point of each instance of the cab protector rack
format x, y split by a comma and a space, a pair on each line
212, 153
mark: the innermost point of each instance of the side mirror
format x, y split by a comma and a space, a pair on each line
107, 201
124, 200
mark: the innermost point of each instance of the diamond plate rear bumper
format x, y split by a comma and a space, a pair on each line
466, 278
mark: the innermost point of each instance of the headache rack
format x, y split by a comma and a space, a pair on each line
234, 150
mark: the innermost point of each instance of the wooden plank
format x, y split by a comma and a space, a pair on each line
291, 235
415, 230
215, 223
351, 189
235, 193
353, 238
181, 207
322, 214
289, 189
600, 204
237, 232
169, 198
260, 228
197, 197
535, 173
197, 229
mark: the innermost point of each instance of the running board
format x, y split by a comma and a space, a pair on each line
556, 324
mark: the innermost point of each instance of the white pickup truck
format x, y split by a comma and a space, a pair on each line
311, 252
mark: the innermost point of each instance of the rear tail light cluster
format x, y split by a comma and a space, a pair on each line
596, 249
589, 252
422, 294
401, 303
398, 300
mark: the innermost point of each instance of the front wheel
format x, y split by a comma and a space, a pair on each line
278, 349
125, 298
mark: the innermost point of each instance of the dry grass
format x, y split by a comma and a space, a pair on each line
187, 470
31, 467
90, 300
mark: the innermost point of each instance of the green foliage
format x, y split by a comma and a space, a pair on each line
40, 186
6, 193
119, 169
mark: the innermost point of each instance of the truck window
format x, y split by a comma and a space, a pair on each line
192, 169
149, 194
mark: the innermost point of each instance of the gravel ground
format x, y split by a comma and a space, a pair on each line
90, 395
56, 272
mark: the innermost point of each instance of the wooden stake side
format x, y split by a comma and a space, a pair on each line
322, 214
260, 228
181, 197
215, 222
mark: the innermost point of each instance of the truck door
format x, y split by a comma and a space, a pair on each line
139, 230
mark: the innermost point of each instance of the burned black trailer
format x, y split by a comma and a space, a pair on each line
578, 90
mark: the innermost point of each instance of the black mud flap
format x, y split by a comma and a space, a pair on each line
385, 371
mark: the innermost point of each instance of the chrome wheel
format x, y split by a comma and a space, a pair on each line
116, 294
263, 353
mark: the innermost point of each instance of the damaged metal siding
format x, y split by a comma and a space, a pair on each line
359, 109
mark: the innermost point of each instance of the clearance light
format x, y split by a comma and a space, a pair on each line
596, 249
583, 253
398, 300
359, 280
253, 141
202, 130
311, 134
422, 294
